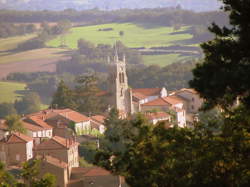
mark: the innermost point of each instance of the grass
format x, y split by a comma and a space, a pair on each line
10, 91
162, 60
12, 42
36, 54
134, 35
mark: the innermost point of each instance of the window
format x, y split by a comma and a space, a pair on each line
192, 99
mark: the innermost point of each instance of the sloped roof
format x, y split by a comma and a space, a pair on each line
31, 127
54, 161
147, 91
193, 91
18, 138
56, 143
164, 101
38, 121
139, 95
91, 172
98, 118
72, 115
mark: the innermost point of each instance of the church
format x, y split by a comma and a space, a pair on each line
183, 104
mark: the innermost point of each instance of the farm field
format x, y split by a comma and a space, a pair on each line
30, 61
134, 35
10, 91
12, 42
162, 60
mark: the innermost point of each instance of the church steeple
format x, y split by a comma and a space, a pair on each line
121, 97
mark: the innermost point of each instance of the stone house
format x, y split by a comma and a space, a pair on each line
56, 167
3, 129
155, 117
16, 148
63, 149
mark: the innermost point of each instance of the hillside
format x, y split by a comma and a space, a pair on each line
10, 91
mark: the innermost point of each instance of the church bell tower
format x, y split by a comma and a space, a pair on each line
119, 91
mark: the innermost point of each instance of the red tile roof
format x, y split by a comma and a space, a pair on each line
102, 93
72, 115
165, 101
98, 118
38, 121
31, 127
18, 138
139, 96
193, 91
147, 91
56, 143
56, 162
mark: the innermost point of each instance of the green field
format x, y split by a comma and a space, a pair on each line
134, 35
12, 42
10, 91
162, 60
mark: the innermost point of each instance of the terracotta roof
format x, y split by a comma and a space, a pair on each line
31, 127
169, 100
139, 96
147, 91
157, 102
38, 121
98, 118
156, 115
91, 172
193, 91
56, 143
18, 138
72, 115
173, 100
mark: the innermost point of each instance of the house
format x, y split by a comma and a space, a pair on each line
60, 148
16, 148
155, 117
55, 166
97, 122
70, 117
37, 127
170, 104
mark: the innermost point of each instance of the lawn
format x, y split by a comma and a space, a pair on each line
10, 91
162, 60
12, 42
134, 35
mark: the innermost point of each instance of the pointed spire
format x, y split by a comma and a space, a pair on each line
116, 58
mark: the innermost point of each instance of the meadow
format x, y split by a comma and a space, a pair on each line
162, 60
10, 91
134, 35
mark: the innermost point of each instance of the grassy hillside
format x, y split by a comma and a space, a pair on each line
162, 60
10, 91
134, 35
12, 42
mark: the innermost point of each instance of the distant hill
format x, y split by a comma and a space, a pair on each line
196, 5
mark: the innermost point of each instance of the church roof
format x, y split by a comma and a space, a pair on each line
147, 91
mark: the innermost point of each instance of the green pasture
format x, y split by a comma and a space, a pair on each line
162, 60
134, 35
12, 42
10, 91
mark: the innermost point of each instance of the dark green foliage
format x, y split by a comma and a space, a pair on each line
28, 104
174, 76
6, 109
88, 151
14, 123
31, 44
6, 179
63, 97
224, 74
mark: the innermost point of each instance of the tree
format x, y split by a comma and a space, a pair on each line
224, 74
121, 33
6, 179
14, 123
63, 97
6, 109
86, 95
28, 104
